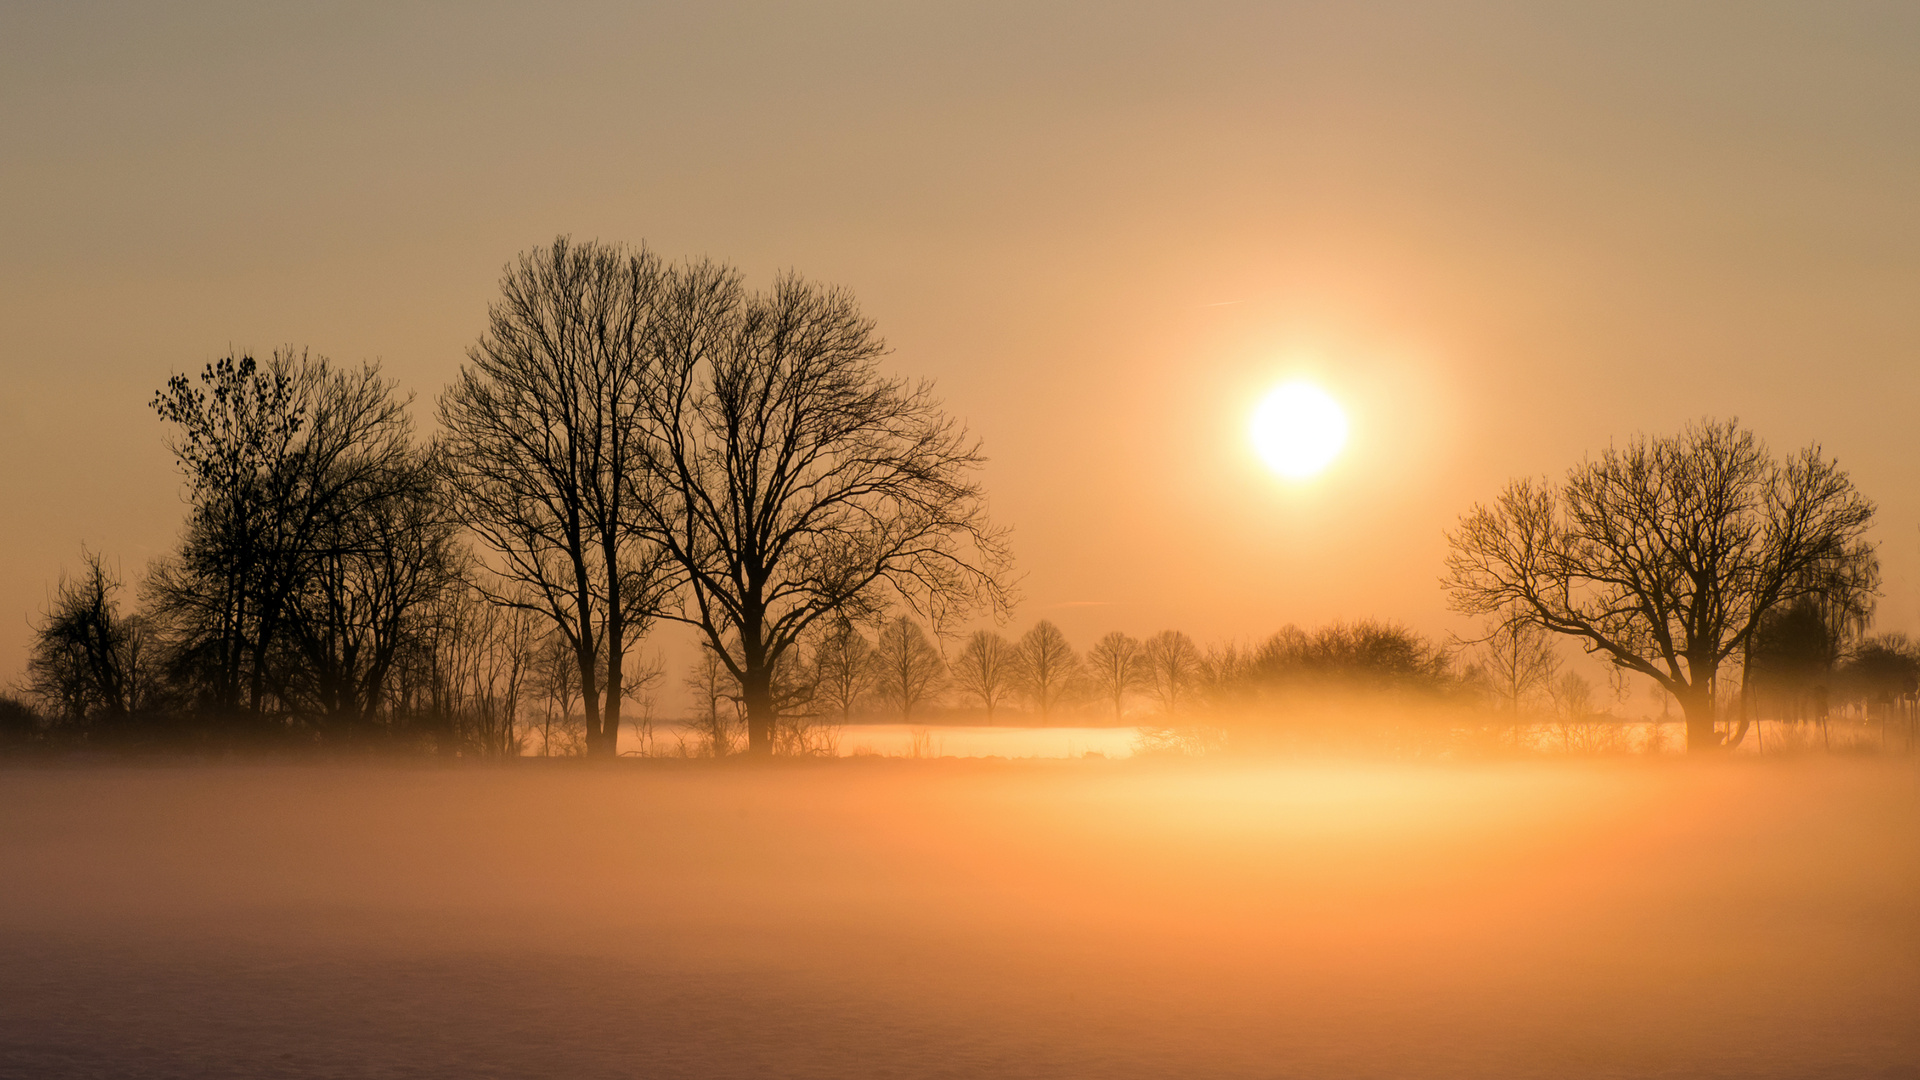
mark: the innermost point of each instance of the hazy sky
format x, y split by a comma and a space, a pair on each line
1502, 234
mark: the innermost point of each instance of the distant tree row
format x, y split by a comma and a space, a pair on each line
900, 673
634, 443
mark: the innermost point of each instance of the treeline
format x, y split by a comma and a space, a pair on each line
1364, 685
469, 677
1811, 662
633, 444
321, 591
630, 443
901, 673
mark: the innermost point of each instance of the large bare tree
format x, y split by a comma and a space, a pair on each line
542, 432
1665, 555
792, 480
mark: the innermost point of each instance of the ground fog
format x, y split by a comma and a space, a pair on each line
895, 918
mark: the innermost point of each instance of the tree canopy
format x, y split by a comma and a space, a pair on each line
1664, 555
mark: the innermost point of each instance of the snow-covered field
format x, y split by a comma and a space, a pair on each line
887, 917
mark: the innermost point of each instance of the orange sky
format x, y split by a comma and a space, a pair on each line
1503, 235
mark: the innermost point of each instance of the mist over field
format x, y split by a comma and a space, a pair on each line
970, 919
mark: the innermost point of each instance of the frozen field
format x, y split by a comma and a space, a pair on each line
892, 918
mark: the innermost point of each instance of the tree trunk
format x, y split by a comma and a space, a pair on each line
756, 691
589, 696
609, 743
1697, 707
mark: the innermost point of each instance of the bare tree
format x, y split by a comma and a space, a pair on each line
1520, 664
801, 726
276, 457
792, 481
554, 679
986, 669
1572, 695
1173, 668
1582, 728
716, 697
377, 566
90, 665
542, 432
1664, 556
910, 670
1049, 672
643, 679
482, 660
843, 669
1117, 665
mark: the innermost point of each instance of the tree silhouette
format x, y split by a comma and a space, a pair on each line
986, 669
554, 680
1791, 656
1665, 555
19, 722
1520, 664
1048, 671
843, 669
483, 659
90, 664
1883, 673
910, 671
716, 702
278, 458
378, 565
541, 441
1173, 669
1117, 665
1365, 655
792, 481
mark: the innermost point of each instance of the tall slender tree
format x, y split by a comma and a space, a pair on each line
542, 434
1520, 665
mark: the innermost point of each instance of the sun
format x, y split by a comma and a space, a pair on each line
1298, 429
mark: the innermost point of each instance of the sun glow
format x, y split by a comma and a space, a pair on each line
1298, 429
